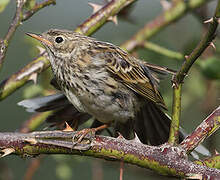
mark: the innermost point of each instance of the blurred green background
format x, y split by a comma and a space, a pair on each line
200, 93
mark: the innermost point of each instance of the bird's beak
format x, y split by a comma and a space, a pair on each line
40, 38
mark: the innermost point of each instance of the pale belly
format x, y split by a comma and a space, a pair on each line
105, 108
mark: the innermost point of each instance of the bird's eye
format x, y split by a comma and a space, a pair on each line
59, 39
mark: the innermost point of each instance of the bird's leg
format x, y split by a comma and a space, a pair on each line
81, 134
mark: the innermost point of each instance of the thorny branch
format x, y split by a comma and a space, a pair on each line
36, 8
165, 159
189, 61
18, 18
204, 130
172, 14
13, 26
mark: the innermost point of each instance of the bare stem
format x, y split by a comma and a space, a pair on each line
174, 129
36, 8
177, 10
212, 162
23, 76
163, 51
200, 48
16, 22
204, 130
13, 26
97, 19
164, 159
178, 79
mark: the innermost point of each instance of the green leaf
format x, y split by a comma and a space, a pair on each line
210, 67
3, 4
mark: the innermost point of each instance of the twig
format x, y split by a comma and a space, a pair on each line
178, 79
203, 44
36, 8
204, 130
18, 18
100, 17
34, 121
165, 159
174, 129
163, 51
169, 16
21, 77
13, 26
212, 162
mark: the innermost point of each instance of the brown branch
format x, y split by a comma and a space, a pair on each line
13, 26
204, 130
34, 121
97, 19
177, 10
18, 18
21, 77
200, 48
212, 162
36, 8
165, 159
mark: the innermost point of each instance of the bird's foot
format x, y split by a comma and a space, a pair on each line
81, 134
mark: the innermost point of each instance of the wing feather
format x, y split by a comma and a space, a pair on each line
133, 72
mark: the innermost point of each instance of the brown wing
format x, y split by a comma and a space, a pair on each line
133, 72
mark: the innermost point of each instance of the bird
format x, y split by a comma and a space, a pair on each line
100, 80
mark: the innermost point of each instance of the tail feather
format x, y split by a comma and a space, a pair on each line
64, 111
46, 103
67, 114
152, 125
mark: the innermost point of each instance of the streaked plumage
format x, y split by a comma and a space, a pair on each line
106, 82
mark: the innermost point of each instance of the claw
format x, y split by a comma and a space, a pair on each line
68, 128
81, 134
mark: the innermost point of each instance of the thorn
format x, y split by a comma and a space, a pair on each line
7, 151
68, 128
96, 7
213, 45
114, 19
33, 77
173, 81
120, 136
165, 4
208, 21
216, 152
136, 139
31, 140
40, 49
186, 57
